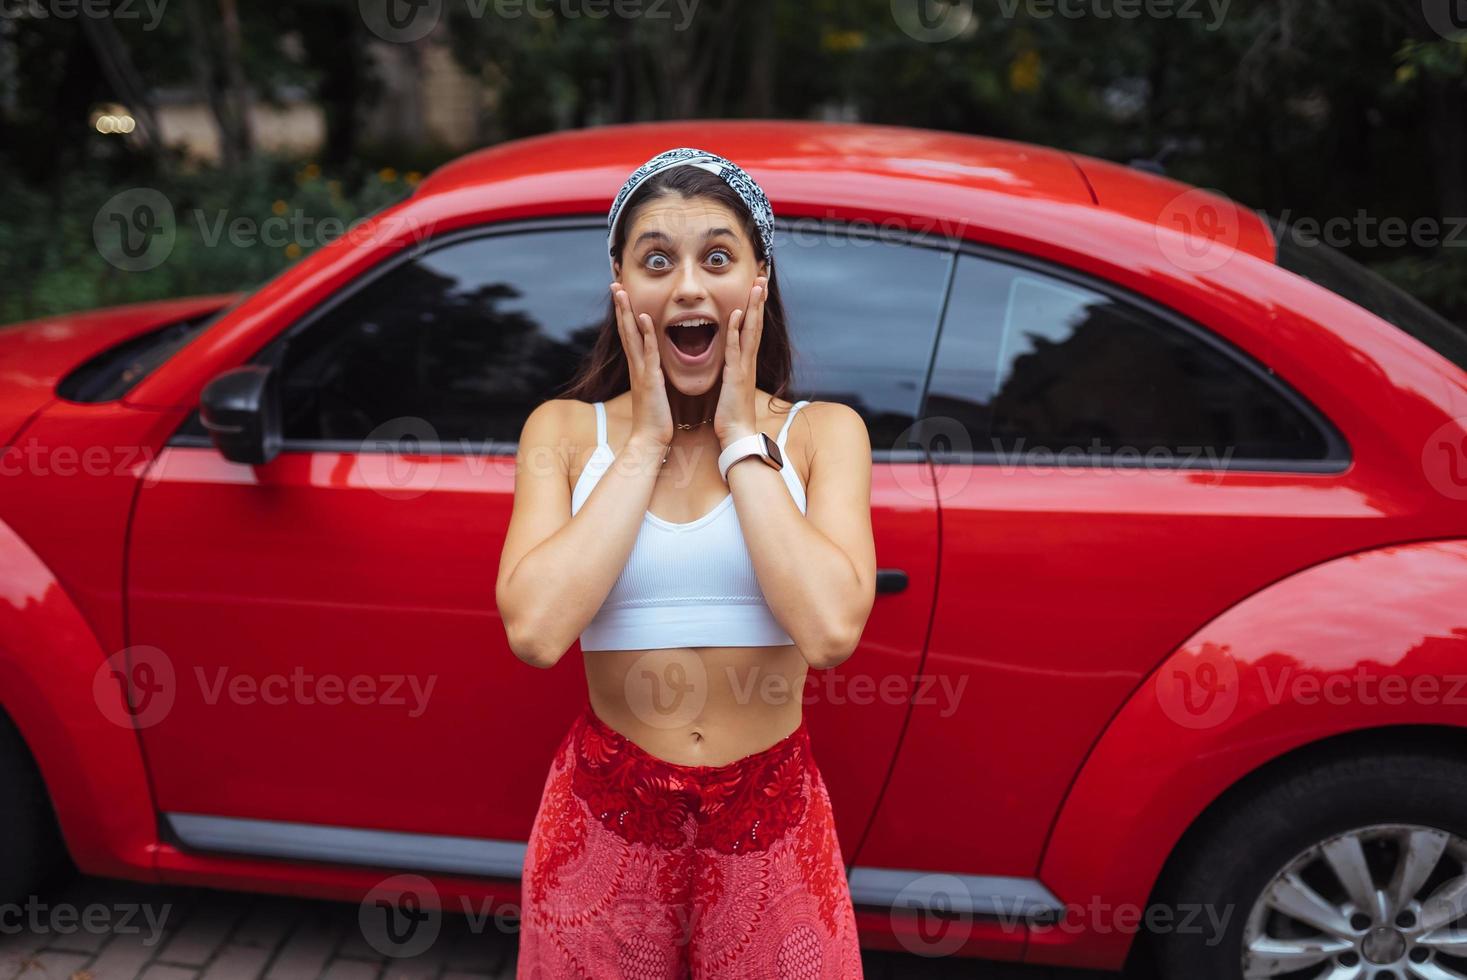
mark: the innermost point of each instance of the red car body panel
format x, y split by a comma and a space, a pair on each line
1369, 640
75, 725
1056, 602
379, 584
1115, 188
37, 354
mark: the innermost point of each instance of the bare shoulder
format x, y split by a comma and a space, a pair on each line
546, 424
564, 426
550, 414
836, 430
824, 437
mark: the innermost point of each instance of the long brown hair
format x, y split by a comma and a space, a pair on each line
603, 373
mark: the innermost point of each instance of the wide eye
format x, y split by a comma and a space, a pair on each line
727, 258
652, 258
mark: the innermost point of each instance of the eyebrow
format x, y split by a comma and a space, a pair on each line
657, 235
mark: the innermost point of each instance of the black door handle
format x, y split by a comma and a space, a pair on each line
890, 580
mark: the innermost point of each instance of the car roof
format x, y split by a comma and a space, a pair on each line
605, 155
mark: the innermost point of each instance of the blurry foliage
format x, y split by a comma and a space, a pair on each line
46, 239
1314, 108
1438, 280
1442, 59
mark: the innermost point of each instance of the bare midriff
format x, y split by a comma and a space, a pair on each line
696, 706
699, 706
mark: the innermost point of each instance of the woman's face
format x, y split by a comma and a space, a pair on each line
688, 258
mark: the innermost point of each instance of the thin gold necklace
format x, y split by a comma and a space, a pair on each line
684, 425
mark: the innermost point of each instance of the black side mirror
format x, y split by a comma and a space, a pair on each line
241, 410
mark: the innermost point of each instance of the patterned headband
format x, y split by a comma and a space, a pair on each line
731, 173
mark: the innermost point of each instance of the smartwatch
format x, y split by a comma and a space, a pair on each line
759, 444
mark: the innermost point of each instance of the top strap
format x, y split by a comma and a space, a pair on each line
600, 424
788, 419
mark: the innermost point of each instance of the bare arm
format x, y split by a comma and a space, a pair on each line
557, 569
817, 570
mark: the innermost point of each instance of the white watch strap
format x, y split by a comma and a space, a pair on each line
743, 446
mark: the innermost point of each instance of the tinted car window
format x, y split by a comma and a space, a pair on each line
473, 335
469, 337
1028, 362
863, 318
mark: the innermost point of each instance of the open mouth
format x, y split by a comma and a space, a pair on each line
692, 337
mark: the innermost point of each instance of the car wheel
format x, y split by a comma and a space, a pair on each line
1349, 869
31, 849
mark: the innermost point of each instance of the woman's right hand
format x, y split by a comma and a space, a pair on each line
651, 413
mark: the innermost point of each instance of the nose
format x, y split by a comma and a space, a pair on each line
689, 288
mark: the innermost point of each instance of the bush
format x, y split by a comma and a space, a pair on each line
1438, 280
233, 230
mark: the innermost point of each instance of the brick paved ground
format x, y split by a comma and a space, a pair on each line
103, 929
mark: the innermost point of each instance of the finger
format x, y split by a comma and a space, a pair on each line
626, 325
746, 332
763, 301
756, 324
650, 353
616, 312
731, 346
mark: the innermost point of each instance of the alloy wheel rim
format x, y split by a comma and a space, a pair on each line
1381, 902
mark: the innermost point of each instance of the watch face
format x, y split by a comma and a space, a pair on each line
772, 448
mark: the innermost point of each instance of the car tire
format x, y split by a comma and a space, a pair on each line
32, 854
1354, 818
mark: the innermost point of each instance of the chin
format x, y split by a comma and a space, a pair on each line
691, 386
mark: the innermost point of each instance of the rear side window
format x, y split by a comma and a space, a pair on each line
863, 315
1028, 362
1328, 267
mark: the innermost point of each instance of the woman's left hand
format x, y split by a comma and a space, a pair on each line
736, 414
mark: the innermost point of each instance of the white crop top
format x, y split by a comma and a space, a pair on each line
685, 584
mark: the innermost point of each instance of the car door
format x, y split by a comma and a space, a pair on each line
328, 619
339, 684
863, 312
1110, 476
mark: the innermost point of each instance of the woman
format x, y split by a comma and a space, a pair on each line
685, 828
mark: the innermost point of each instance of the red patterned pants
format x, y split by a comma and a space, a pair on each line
643, 869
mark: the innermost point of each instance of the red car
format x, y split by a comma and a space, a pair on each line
1170, 507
